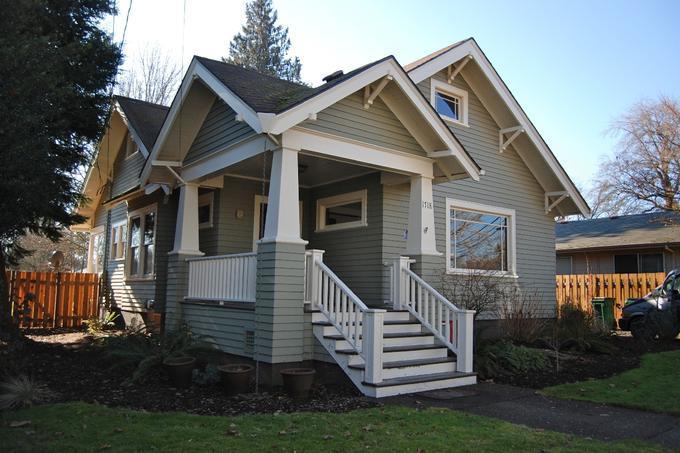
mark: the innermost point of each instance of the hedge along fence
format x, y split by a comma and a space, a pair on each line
580, 289
53, 299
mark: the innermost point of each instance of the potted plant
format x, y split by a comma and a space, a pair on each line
298, 381
236, 377
180, 370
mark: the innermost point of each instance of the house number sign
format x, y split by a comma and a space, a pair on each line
427, 204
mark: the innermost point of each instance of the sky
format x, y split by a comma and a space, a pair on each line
573, 65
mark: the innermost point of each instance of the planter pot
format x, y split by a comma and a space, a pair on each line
179, 369
236, 377
298, 381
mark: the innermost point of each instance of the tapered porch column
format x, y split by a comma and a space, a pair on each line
186, 229
421, 237
279, 306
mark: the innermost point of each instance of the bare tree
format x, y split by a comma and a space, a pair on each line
644, 174
154, 77
480, 291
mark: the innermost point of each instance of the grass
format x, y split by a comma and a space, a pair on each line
654, 386
77, 427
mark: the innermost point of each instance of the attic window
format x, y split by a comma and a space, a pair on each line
450, 102
130, 146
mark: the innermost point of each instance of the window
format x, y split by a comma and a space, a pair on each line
205, 210
481, 238
626, 264
342, 211
118, 241
651, 262
141, 240
130, 146
96, 257
450, 102
638, 262
563, 265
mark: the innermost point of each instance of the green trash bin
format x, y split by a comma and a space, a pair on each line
603, 309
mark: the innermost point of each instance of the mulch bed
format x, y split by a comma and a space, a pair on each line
79, 371
583, 366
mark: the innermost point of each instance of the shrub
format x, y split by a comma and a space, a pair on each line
96, 325
22, 391
520, 316
504, 358
578, 329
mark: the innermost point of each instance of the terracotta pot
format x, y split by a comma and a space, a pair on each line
298, 381
236, 377
180, 369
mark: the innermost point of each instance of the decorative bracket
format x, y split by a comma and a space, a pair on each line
502, 142
452, 72
370, 95
551, 204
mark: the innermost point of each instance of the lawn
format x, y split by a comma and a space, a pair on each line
85, 427
654, 386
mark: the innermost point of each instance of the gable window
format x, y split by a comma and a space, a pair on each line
118, 241
205, 210
130, 145
343, 211
141, 243
480, 238
450, 102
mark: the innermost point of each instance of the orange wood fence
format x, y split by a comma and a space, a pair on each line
53, 299
581, 289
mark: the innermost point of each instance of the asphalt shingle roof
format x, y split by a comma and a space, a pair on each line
622, 231
146, 118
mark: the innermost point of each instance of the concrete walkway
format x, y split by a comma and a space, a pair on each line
527, 407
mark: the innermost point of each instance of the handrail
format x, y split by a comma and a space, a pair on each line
217, 257
431, 290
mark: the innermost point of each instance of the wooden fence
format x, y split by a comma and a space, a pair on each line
53, 299
581, 289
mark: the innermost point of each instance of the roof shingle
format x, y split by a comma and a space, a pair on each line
146, 118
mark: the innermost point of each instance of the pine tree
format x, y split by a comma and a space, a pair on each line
263, 45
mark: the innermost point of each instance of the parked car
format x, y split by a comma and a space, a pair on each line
657, 315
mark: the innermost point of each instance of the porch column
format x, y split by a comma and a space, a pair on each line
421, 237
186, 229
279, 306
90, 253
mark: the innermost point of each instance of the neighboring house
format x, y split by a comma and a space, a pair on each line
265, 212
619, 245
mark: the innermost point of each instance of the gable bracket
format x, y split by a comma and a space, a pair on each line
558, 198
452, 72
502, 142
370, 95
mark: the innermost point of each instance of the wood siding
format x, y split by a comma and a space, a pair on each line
219, 130
226, 327
376, 125
126, 172
603, 262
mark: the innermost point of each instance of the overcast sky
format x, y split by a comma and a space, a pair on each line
573, 65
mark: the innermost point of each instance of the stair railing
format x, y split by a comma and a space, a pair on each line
359, 325
453, 326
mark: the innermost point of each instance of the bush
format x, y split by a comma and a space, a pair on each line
520, 316
504, 358
96, 325
146, 351
578, 329
22, 391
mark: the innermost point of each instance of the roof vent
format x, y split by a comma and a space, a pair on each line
333, 76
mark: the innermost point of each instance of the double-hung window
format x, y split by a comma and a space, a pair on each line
141, 243
118, 241
480, 238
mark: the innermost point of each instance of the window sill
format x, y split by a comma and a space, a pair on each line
498, 274
341, 228
453, 122
117, 260
149, 278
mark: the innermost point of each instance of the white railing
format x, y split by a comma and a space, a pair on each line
228, 278
451, 325
360, 326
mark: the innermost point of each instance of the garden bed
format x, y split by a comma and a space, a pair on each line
73, 369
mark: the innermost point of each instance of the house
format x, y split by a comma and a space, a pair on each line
295, 224
619, 245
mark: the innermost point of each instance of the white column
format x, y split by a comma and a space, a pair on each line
372, 332
90, 253
186, 230
283, 209
464, 340
421, 237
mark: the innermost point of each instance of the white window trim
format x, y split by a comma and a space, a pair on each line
128, 256
206, 199
97, 231
136, 148
113, 228
328, 202
445, 88
260, 199
512, 240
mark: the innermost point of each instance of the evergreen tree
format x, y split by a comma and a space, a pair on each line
263, 45
56, 66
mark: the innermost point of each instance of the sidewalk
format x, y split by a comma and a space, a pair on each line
527, 407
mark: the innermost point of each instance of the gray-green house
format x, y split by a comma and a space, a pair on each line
294, 224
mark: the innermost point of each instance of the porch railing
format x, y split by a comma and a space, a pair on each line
228, 278
451, 325
360, 326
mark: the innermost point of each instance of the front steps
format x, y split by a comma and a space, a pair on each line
413, 360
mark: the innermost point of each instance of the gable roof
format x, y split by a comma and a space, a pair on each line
657, 228
144, 117
443, 58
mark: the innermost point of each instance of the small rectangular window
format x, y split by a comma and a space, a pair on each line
626, 264
447, 105
348, 210
118, 241
205, 210
450, 102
